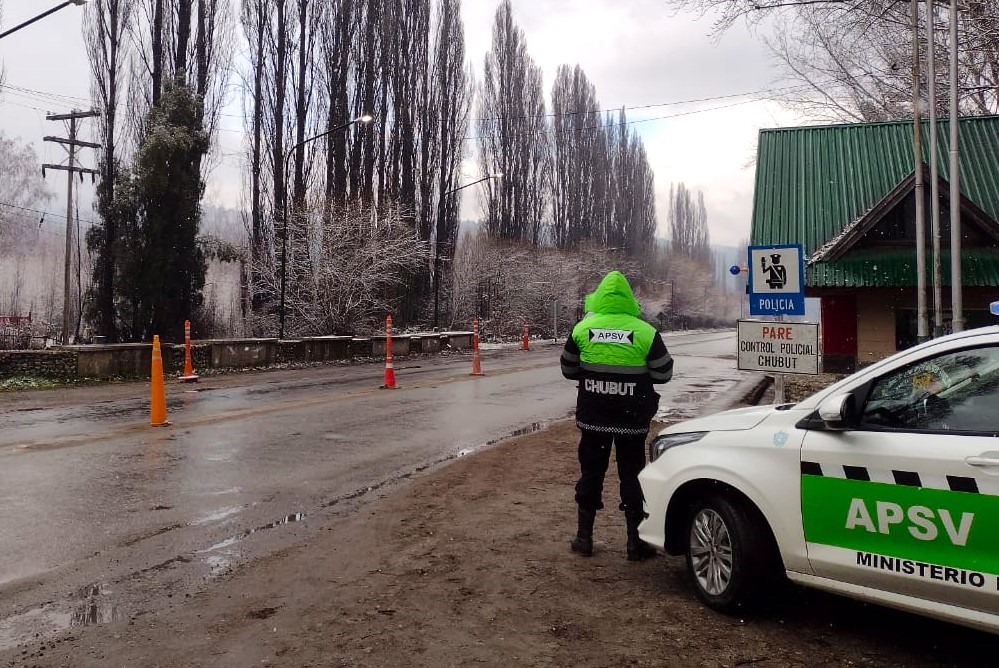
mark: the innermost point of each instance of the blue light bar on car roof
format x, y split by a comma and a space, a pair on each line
994, 308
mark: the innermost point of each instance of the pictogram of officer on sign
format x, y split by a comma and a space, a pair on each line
776, 284
775, 272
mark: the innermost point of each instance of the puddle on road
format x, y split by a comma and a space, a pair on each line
443, 459
523, 431
92, 605
217, 515
232, 540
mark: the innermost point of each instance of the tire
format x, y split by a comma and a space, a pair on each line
731, 558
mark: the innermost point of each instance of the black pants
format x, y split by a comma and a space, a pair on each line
594, 457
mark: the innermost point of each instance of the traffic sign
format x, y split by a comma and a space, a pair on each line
779, 347
776, 280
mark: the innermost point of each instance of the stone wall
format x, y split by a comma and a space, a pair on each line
41, 363
133, 360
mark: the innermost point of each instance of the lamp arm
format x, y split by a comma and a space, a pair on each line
37, 18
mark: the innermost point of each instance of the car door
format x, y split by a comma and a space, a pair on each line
907, 498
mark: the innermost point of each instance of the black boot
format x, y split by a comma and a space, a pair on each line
583, 542
638, 549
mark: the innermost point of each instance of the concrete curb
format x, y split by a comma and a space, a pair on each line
756, 391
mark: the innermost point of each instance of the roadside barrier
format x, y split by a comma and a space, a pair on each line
189, 375
389, 366
476, 364
525, 340
157, 411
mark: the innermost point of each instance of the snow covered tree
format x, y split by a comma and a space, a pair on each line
165, 266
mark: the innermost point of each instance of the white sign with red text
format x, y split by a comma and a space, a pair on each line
779, 347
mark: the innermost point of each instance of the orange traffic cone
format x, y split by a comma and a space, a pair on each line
157, 412
525, 341
189, 375
389, 366
476, 364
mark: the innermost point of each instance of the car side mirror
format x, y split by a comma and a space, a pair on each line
838, 413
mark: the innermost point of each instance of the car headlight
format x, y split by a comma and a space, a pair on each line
661, 444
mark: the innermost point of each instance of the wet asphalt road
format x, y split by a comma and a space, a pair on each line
103, 517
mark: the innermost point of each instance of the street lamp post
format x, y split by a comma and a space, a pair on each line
437, 247
41, 16
363, 118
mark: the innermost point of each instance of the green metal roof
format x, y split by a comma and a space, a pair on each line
897, 268
811, 182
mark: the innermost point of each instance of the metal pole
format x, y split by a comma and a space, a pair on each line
437, 283
39, 17
917, 147
555, 321
931, 51
284, 241
779, 380
68, 273
957, 316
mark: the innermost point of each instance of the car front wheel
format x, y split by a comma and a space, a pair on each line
729, 554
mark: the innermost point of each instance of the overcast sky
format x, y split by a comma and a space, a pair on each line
634, 51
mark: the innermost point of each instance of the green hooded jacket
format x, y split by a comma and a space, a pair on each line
616, 358
612, 307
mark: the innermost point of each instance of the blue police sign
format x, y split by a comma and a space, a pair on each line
776, 280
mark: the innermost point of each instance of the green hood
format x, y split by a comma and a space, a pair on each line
613, 295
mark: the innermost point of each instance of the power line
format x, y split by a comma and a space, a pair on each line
768, 91
39, 96
59, 96
761, 92
26, 106
44, 213
550, 131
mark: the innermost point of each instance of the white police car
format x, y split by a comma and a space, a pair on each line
882, 487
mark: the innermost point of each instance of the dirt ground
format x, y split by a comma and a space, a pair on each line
470, 565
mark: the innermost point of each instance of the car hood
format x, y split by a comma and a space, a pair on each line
738, 419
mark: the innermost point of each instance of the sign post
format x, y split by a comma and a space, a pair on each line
777, 288
555, 309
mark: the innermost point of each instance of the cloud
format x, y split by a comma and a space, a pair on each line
639, 53
636, 52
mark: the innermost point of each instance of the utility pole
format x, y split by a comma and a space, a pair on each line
956, 303
922, 328
72, 142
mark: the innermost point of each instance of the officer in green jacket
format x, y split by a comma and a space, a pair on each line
616, 359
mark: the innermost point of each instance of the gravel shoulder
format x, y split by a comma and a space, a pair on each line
469, 565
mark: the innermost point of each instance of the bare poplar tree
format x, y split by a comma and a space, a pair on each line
255, 20
512, 134
105, 29
314, 67
688, 223
451, 101
631, 224
577, 150
2, 70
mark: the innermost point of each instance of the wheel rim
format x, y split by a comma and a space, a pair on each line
711, 552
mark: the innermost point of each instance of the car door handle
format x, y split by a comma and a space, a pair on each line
982, 461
